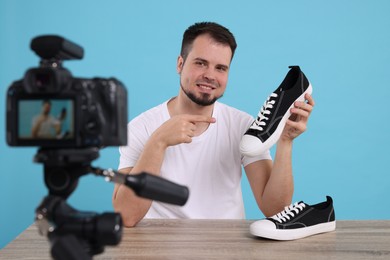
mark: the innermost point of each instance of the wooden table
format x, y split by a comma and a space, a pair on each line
223, 239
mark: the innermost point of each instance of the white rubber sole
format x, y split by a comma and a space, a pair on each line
291, 234
252, 146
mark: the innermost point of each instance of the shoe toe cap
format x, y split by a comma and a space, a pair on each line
250, 145
262, 225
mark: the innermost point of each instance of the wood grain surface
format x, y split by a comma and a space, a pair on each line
222, 239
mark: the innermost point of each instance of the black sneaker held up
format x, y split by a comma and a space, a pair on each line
268, 126
297, 221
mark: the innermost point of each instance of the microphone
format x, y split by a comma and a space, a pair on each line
149, 186
57, 47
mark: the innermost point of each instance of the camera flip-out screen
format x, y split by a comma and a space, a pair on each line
50, 120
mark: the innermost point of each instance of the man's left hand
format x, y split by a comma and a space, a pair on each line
297, 123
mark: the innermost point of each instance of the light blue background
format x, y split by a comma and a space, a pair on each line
342, 46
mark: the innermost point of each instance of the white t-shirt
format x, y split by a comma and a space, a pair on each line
47, 127
210, 166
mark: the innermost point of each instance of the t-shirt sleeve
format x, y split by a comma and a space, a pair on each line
136, 139
247, 159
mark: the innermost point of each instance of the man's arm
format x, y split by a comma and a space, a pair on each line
125, 201
57, 125
273, 185
36, 125
177, 130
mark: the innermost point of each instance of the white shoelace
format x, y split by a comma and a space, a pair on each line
264, 111
289, 212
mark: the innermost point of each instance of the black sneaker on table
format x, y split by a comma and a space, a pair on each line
297, 221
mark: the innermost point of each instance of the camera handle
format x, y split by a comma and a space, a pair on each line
147, 186
80, 235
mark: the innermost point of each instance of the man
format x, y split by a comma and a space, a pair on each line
45, 125
193, 140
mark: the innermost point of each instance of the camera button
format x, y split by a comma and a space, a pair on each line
78, 85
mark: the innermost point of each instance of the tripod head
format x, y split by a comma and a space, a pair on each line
64, 167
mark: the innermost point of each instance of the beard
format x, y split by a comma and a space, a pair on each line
203, 100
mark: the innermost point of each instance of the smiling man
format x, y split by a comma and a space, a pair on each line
193, 140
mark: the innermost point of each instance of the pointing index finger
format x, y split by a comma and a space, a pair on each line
201, 118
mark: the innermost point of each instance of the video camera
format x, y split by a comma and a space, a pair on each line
50, 108
70, 119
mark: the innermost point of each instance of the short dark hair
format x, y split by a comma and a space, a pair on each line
218, 32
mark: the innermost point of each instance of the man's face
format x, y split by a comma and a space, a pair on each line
204, 74
46, 108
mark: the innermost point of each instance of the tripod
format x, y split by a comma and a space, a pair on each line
76, 234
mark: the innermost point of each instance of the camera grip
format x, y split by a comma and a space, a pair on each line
157, 188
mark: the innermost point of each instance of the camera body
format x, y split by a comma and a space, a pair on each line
51, 108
